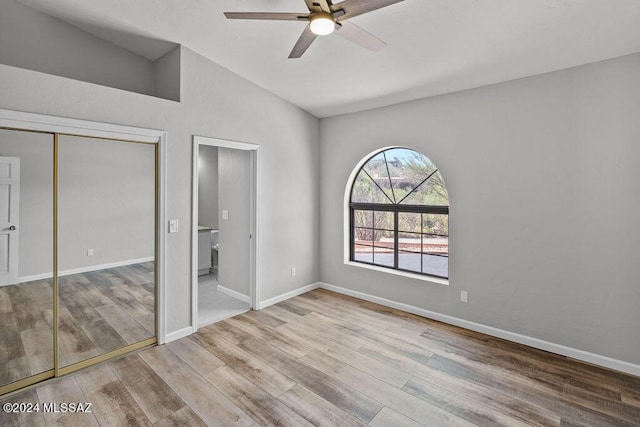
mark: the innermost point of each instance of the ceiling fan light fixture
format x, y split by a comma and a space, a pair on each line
324, 18
322, 24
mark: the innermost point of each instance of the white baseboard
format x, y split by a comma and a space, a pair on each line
84, 269
585, 356
287, 295
234, 294
176, 335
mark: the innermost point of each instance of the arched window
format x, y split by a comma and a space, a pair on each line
399, 214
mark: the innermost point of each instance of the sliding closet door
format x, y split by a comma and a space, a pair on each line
106, 246
26, 258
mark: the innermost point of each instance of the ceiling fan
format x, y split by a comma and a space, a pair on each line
324, 17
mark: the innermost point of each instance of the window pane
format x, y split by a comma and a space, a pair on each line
435, 224
431, 192
410, 242
363, 236
366, 191
363, 253
436, 245
362, 218
407, 169
383, 256
409, 261
435, 265
383, 238
410, 222
377, 169
383, 220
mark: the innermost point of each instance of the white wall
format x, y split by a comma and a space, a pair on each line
234, 171
544, 188
208, 186
216, 103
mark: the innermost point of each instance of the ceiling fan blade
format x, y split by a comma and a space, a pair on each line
306, 38
268, 16
324, 5
358, 7
357, 35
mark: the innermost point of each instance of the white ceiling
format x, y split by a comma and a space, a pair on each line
434, 46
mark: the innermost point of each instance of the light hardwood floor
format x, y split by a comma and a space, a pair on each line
99, 312
326, 359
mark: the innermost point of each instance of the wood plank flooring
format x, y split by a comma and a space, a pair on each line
99, 312
330, 360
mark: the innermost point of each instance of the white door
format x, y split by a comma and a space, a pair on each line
9, 215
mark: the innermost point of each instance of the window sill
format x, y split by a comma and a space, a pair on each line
422, 277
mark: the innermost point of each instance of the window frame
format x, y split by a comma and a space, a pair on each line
396, 208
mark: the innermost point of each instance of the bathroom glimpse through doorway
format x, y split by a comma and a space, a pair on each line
224, 229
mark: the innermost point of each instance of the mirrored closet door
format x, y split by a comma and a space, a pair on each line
78, 222
106, 246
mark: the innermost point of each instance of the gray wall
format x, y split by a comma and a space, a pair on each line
30, 39
234, 171
166, 75
208, 186
544, 188
216, 103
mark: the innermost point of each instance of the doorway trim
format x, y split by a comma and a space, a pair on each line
254, 253
19, 120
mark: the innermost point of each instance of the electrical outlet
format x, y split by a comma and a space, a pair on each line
464, 296
225, 214
89, 252
293, 271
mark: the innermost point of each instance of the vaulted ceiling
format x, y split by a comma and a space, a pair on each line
433, 46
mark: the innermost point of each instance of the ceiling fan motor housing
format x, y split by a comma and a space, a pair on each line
322, 23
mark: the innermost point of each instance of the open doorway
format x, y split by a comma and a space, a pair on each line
224, 229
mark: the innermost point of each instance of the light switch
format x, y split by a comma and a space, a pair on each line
225, 214
173, 226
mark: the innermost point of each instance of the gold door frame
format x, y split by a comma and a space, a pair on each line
57, 371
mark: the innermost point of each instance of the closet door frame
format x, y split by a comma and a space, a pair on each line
55, 126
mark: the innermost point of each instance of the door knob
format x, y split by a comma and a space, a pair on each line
13, 227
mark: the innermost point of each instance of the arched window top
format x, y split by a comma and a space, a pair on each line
399, 176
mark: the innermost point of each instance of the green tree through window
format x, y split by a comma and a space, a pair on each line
399, 214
